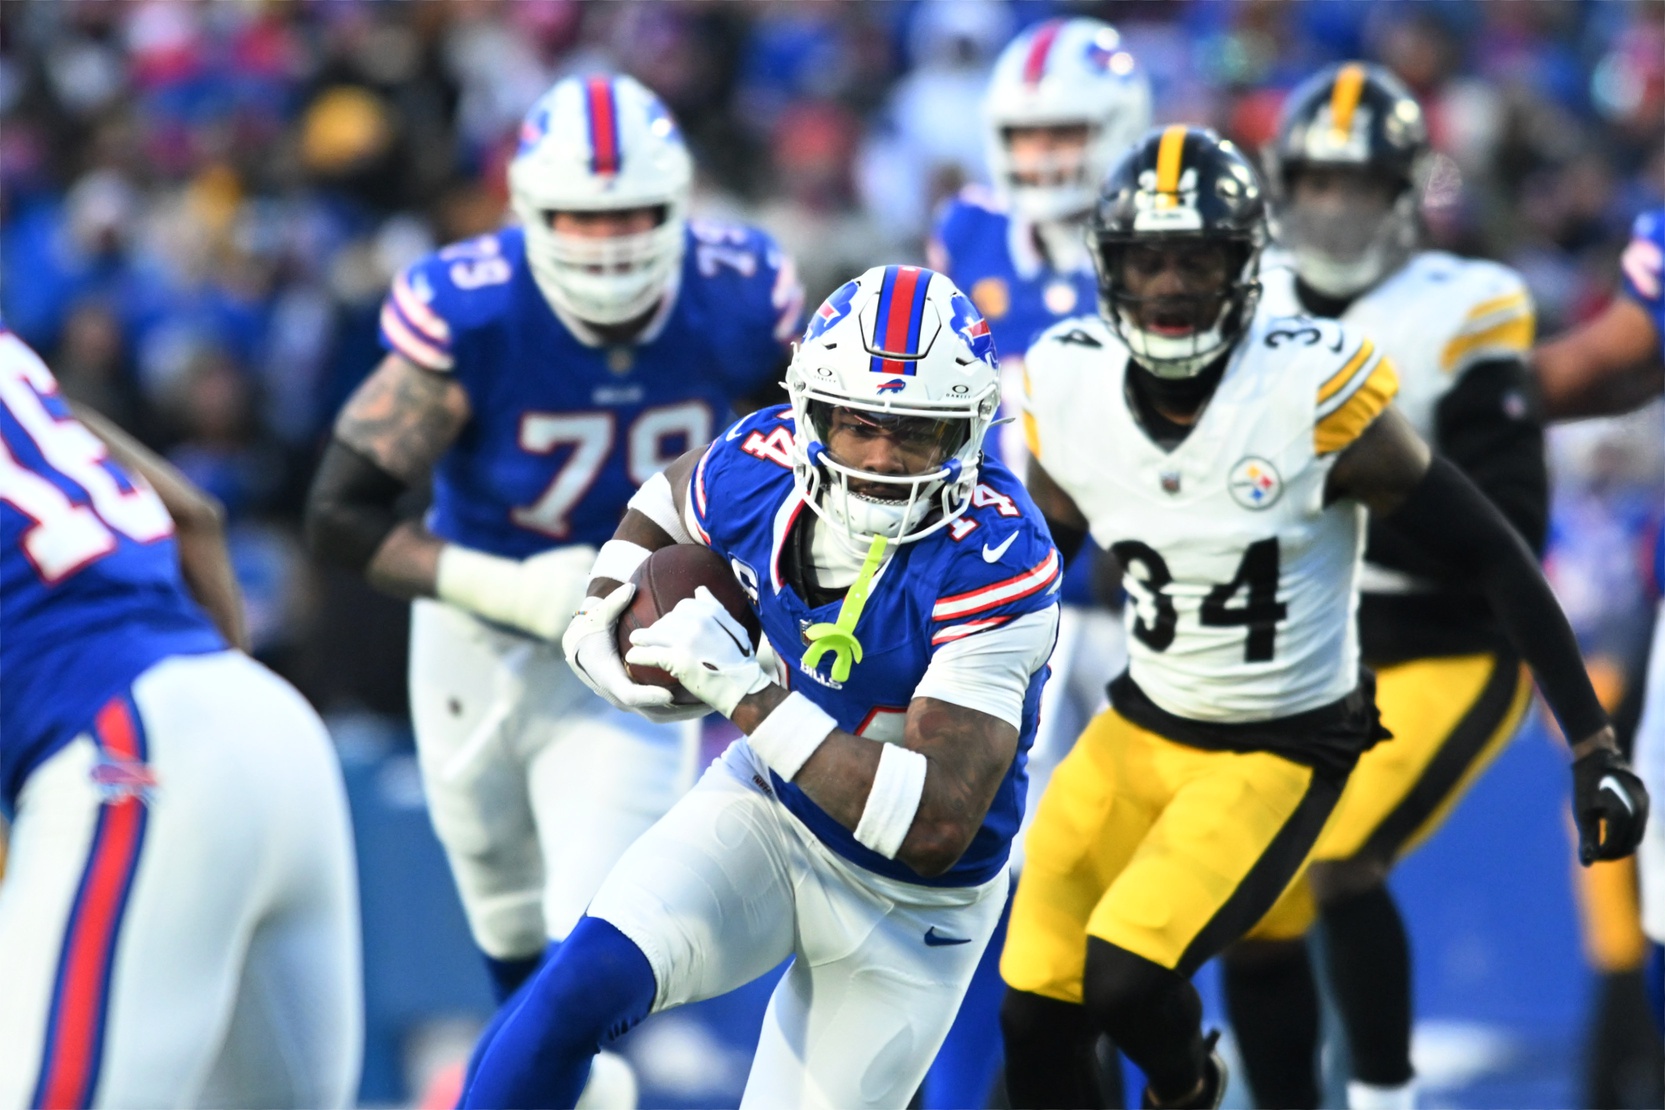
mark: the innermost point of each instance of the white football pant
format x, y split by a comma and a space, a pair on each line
535, 785
729, 884
1650, 765
183, 931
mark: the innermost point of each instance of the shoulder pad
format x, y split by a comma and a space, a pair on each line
1498, 320
1356, 383
445, 293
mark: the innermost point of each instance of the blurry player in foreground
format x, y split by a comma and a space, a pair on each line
1346, 174
863, 825
544, 374
1226, 456
178, 918
1610, 365
1064, 101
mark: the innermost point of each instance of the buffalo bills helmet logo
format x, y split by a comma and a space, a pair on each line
894, 385
973, 328
832, 310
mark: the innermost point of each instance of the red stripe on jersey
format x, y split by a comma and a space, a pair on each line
995, 594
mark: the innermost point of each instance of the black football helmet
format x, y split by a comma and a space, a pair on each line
1177, 186
1351, 116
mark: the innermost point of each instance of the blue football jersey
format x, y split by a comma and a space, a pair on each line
561, 433
1643, 268
995, 260
90, 589
994, 563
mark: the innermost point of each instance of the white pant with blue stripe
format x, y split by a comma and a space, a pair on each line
179, 917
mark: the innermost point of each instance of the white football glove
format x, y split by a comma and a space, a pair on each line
593, 654
536, 595
705, 648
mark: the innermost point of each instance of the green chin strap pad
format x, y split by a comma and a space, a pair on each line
840, 638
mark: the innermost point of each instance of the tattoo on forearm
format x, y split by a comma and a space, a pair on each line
404, 418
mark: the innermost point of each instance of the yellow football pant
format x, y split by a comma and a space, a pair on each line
1450, 718
1165, 850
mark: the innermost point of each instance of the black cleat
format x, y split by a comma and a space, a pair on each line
1212, 1090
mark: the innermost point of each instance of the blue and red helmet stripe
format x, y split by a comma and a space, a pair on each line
602, 108
896, 324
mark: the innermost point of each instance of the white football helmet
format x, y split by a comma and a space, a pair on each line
601, 143
902, 346
1064, 71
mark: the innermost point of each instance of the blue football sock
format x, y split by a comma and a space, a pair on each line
508, 975
597, 986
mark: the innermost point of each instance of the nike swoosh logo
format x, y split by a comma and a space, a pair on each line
738, 644
993, 554
934, 939
1610, 783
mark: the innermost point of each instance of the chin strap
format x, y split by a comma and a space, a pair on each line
840, 638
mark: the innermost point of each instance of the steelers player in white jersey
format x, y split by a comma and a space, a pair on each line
1227, 456
1345, 174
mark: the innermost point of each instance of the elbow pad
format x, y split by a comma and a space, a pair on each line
351, 507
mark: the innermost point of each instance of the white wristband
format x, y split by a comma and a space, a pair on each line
618, 560
789, 735
656, 502
893, 800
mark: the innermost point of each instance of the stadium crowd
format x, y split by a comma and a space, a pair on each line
202, 205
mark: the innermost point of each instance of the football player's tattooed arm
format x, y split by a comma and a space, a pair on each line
1610, 365
1064, 518
967, 753
389, 435
1433, 504
199, 525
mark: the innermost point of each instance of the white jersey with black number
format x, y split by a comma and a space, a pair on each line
1435, 317
1244, 582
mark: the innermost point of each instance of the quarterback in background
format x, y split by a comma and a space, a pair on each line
1346, 173
179, 913
1063, 102
545, 374
863, 825
1226, 455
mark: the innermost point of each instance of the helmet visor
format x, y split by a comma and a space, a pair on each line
887, 445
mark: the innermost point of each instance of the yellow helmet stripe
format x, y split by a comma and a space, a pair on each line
1168, 157
1344, 98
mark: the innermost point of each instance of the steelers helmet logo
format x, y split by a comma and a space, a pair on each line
1254, 483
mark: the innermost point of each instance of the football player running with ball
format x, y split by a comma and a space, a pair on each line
1226, 455
1346, 173
545, 374
1064, 101
907, 586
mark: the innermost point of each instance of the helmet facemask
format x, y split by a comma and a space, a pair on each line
1346, 227
1202, 290
606, 279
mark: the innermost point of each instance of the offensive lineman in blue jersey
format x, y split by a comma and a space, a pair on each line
863, 825
180, 847
546, 373
1064, 100
1613, 364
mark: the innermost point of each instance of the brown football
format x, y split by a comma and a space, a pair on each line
665, 578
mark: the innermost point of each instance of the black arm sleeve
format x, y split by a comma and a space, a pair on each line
1491, 427
352, 506
1067, 538
1454, 522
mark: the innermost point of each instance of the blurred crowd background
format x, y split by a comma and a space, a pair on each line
202, 203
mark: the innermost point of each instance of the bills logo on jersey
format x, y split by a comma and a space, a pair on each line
832, 310
117, 779
973, 328
1254, 483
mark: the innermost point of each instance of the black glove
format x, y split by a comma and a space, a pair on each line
1605, 790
